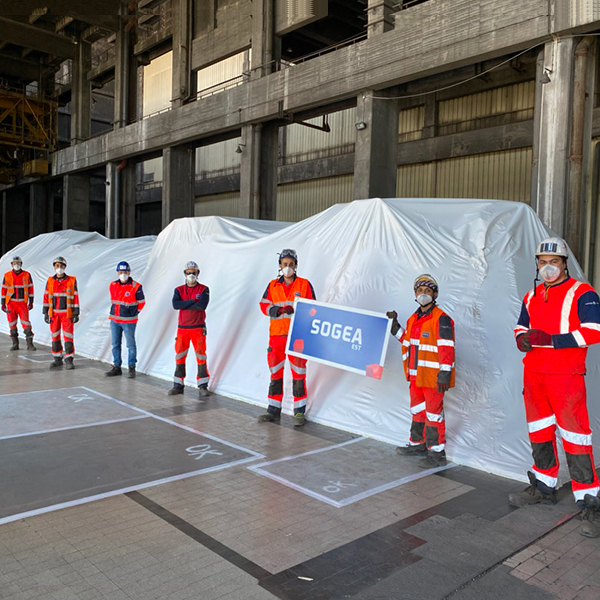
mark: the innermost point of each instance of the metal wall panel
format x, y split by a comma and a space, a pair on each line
217, 77
220, 205
507, 104
410, 124
302, 199
218, 159
416, 181
502, 175
158, 77
303, 143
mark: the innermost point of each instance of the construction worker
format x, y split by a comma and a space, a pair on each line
127, 300
61, 312
277, 303
559, 319
428, 356
17, 301
191, 300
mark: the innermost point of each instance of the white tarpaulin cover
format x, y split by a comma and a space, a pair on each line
365, 255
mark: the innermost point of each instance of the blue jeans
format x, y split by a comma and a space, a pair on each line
117, 330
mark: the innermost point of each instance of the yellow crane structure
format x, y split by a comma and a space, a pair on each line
28, 132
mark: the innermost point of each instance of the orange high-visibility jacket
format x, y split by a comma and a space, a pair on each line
278, 294
61, 296
428, 348
17, 287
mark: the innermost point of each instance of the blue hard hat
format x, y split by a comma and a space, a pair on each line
123, 266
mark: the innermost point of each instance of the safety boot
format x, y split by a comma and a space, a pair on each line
203, 392
29, 341
175, 390
15, 342
57, 363
299, 419
114, 372
533, 494
69, 366
131, 373
412, 450
590, 516
433, 460
270, 416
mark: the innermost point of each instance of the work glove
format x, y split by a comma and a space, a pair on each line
30, 306
289, 310
47, 319
4, 309
392, 314
523, 343
75, 319
537, 337
443, 387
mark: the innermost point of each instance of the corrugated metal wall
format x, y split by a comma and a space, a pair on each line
303, 143
222, 205
218, 159
506, 104
410, 124
302, 199
157, 84
223, 71
504, 175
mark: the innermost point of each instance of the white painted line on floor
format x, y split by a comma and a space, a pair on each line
69, 427
168, 421
78, 501
37, 361
326, 449
41, 391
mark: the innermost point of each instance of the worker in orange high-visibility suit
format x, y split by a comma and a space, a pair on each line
428, 357
559, 319
278, 304
61, 312
191, 300
17, 301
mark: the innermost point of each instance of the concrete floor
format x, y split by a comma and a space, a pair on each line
113, 490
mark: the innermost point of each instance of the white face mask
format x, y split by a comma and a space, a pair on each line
550, 273
191, 278
287, 271
424, 299
16, 267
60, 271
124, 277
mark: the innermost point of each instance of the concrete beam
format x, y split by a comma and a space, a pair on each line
15, 67
401, 55
76, 202
375, 165
110, 22
178, 183
36, 38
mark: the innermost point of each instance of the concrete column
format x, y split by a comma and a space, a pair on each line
376, 151
112, 197
380, 16
38, 209
178, 183
552, 133
127, 226
81, 94
263, 37
183, 15
76, 202
258, 173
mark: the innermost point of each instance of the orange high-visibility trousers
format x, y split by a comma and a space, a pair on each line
428, 424
14, 312
276, 358
60, 322
197, 338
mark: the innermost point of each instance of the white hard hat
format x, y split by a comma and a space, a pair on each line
191, 265
553, 246
59, 259
17, 259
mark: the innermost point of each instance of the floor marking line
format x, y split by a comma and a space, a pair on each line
69, 427
78, 387
199, 536
102, 496
169, 422
333, 447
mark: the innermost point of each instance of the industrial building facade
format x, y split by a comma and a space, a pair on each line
278, 109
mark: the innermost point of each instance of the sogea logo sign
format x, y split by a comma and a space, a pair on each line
335, 331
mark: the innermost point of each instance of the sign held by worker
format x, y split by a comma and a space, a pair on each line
347, 338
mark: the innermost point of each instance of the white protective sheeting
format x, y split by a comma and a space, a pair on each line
366, 255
